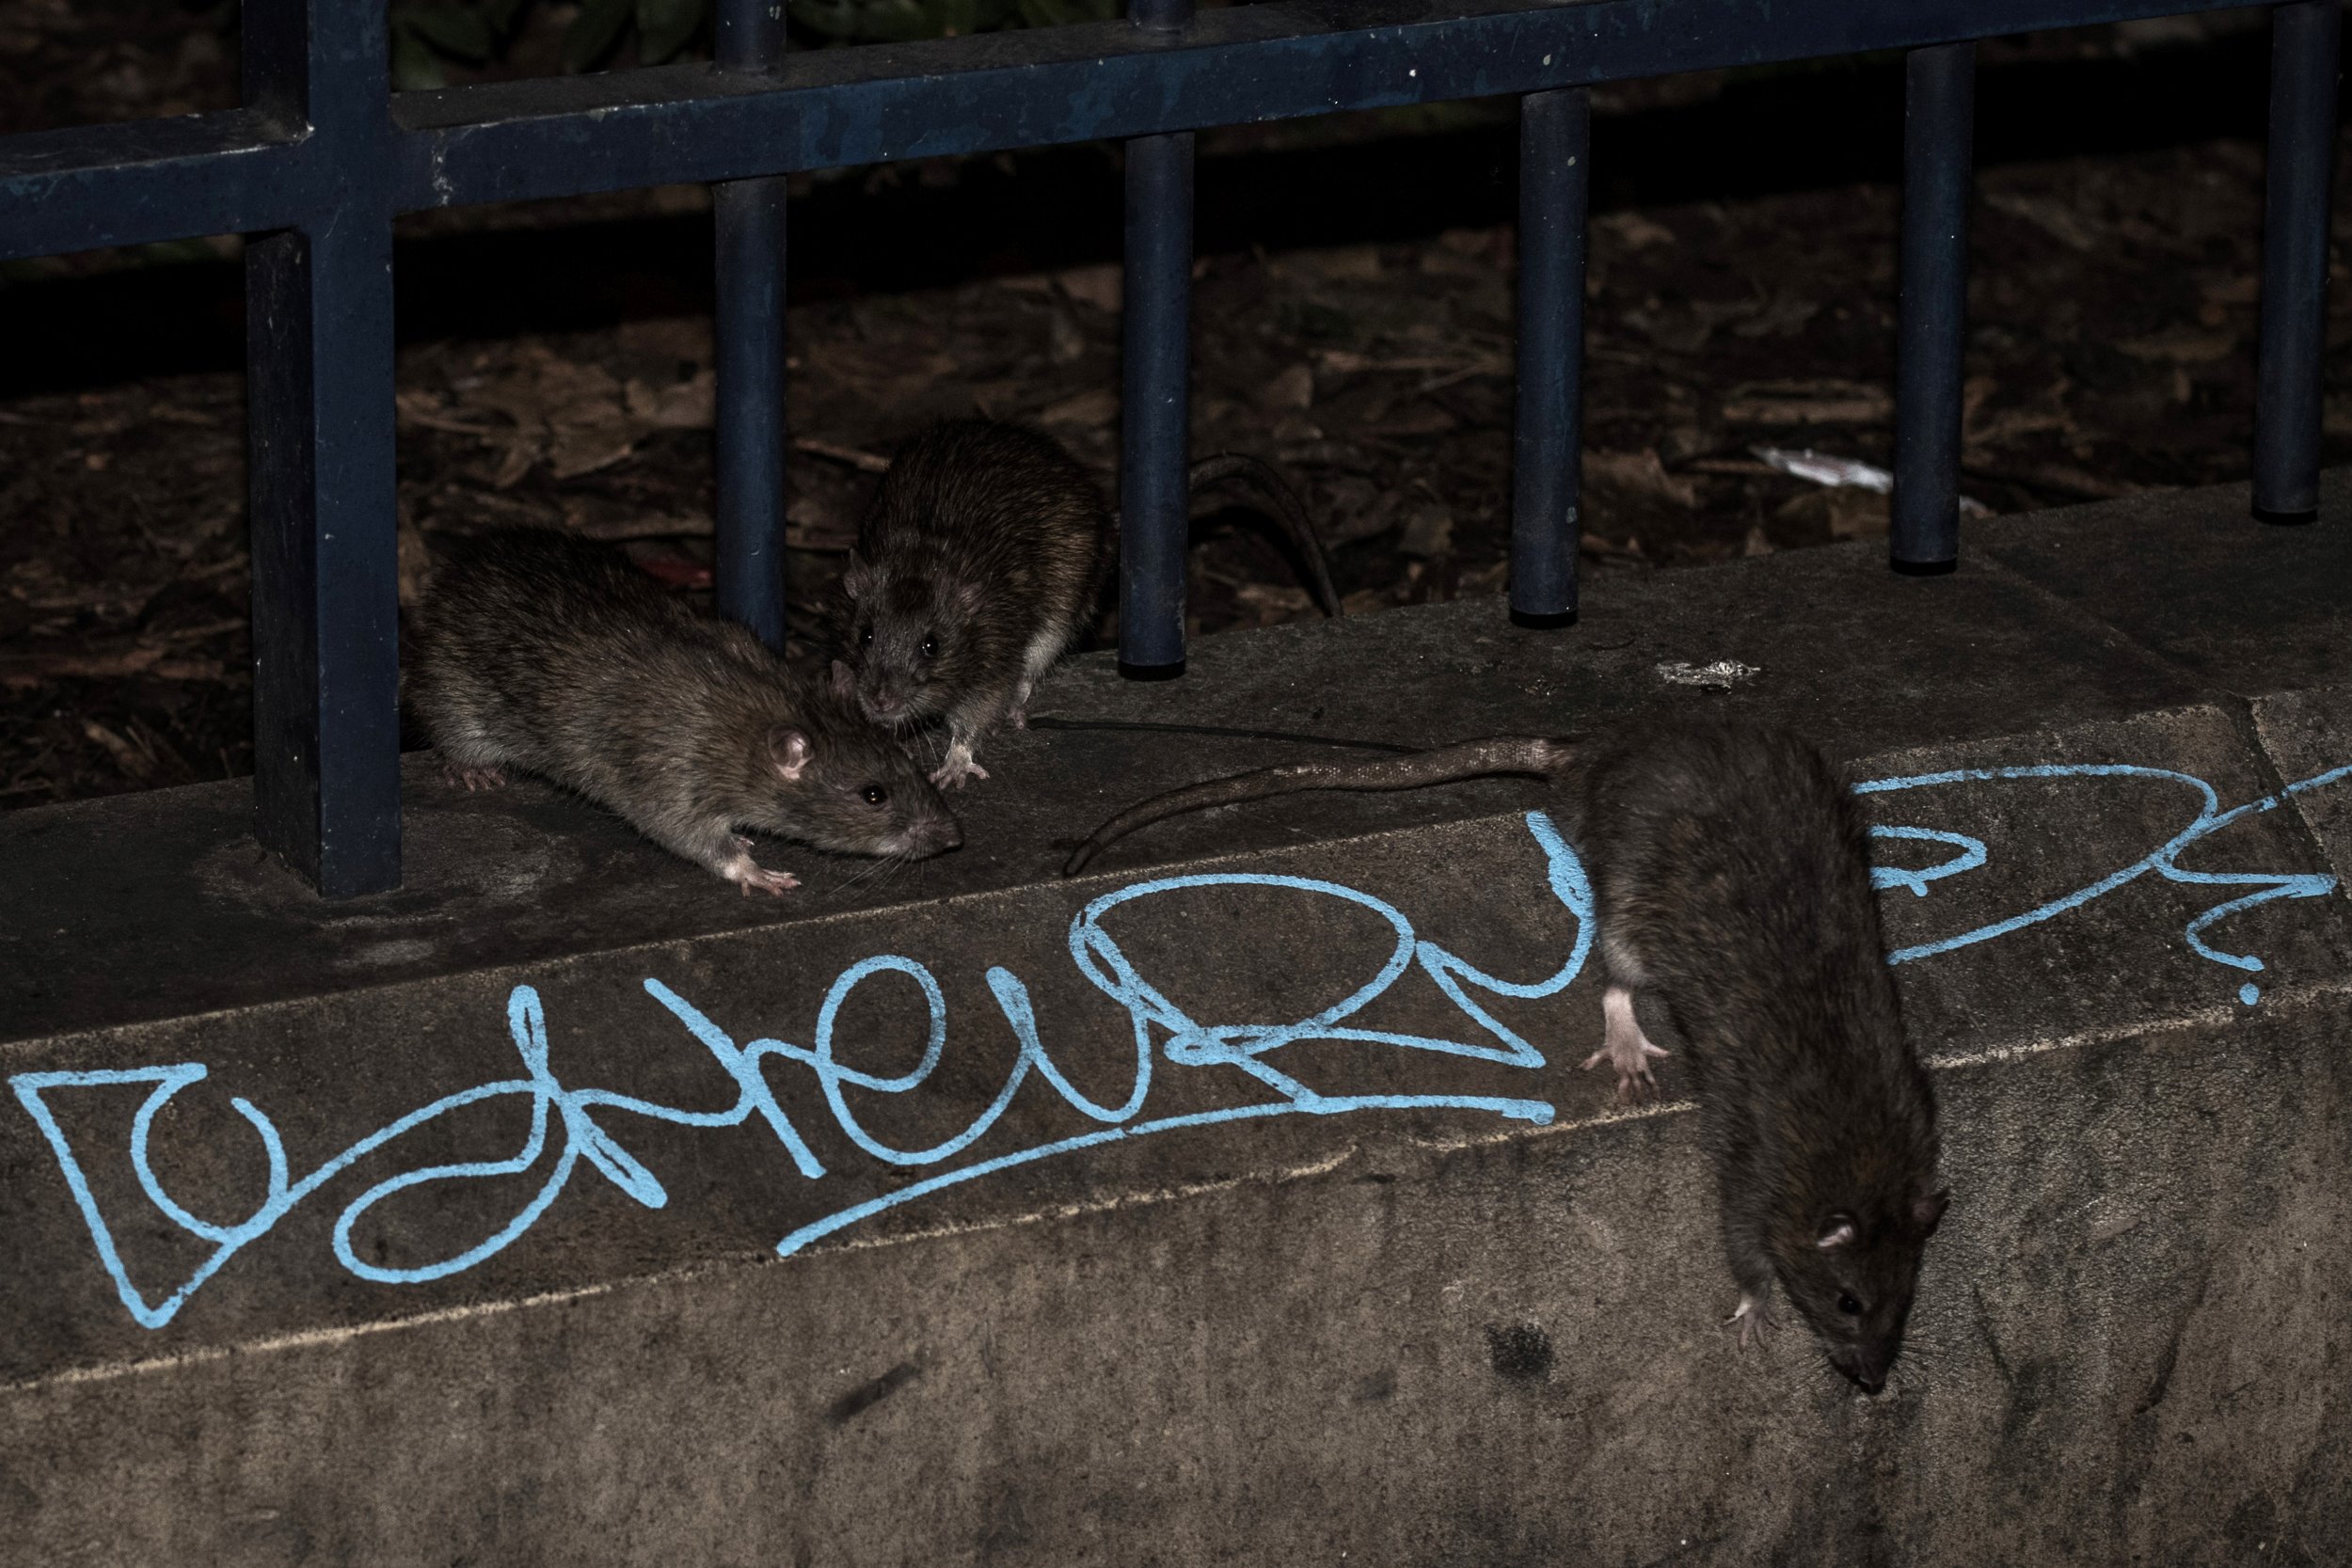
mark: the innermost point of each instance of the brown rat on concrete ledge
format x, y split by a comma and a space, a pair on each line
979, 565
1731, 882
542, 651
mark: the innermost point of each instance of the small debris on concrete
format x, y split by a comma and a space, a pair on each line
1721, 675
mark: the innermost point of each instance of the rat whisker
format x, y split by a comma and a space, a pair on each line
872, 871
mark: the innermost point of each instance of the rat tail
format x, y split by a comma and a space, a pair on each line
1281, 500
1471, 759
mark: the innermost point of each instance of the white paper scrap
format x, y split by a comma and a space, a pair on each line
1844, 472
1718, 676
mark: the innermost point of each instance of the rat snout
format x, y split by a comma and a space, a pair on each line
1866, 1366
927, 828
938, 835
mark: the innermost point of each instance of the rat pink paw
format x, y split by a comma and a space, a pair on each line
958, 766
747, 873
1634, 1083
776, 883
1624, 1047
475, 778
1754, 1320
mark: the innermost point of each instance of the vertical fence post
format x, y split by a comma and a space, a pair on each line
1154, 511
1931, 335
748, 216
321, 479
2303, 59
1547, 451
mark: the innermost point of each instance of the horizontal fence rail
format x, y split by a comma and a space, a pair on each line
322, 156
243, 171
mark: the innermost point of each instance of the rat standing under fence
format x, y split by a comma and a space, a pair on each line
979, 565
1731, 882
542, 651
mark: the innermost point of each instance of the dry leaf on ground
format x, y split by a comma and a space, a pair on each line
1638, 473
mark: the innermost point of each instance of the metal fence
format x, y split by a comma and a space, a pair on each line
323, 155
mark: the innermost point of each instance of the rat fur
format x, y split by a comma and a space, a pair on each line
978, 563
542, 651
1732, 888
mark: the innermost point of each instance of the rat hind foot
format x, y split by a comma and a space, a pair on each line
1753, 1316
1625, 1048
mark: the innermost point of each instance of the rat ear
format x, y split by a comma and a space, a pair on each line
1836, 1231
1926, 1210
856, 575
788, 752
844, 680
969, 595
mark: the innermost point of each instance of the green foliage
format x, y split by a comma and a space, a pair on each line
592, 35
666, 27
1057, 13
428, 33
424, 35
898, 20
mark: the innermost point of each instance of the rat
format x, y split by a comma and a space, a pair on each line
1731, 881
978, 565
542, 651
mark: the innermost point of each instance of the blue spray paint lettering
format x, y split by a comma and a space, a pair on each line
567, 1118
2163, 860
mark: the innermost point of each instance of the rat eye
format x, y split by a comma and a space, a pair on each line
1849, 1306
865, 638
875, 795
931, 648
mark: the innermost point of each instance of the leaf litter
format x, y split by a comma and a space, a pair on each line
1738, 367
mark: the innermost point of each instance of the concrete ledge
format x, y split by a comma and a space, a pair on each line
1419, 1293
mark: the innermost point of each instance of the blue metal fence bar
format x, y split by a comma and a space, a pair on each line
748, 216
240, 172
1547, 452
688, 125
1156, 424
1931, 333
2304, 40
319, 334
1047, 86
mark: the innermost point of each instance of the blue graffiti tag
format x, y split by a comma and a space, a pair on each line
2163, 860
568, 1116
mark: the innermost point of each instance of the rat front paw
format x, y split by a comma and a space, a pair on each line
472, 779
1754, 1319
776, 883
958, 766
747, 873
1634, 1083
1624, 1047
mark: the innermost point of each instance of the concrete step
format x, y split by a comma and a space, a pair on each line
566, 1207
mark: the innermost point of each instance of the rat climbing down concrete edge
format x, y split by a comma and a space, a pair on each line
1731, 882
542, 651
979, 565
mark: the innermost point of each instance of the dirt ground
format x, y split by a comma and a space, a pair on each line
2113, 324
